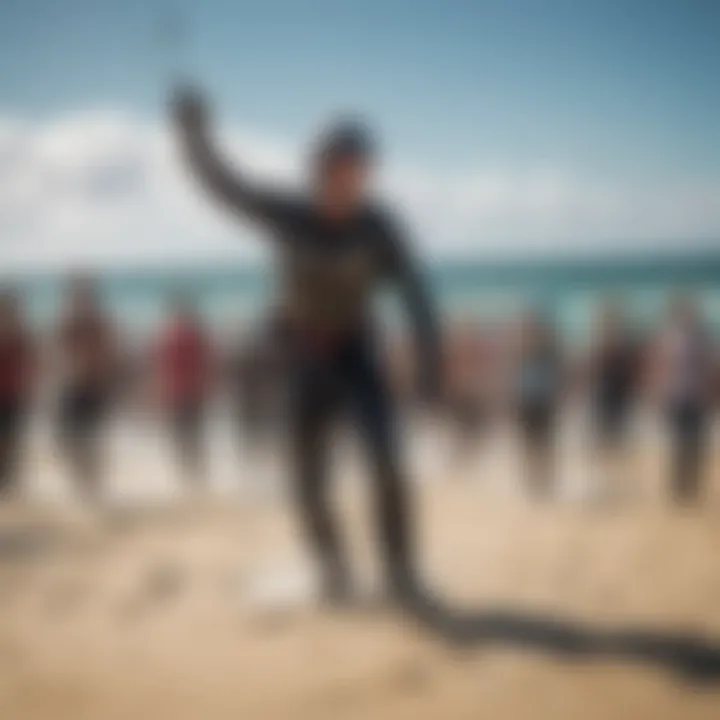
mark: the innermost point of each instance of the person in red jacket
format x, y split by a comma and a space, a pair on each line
16, 373
185, 368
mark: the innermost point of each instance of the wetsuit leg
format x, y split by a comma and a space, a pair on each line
372, 406
312, 405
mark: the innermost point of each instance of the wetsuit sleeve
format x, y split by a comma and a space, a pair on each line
230, 186
404, 272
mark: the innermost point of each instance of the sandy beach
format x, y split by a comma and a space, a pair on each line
153, 610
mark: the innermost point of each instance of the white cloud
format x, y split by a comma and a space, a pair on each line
104, 187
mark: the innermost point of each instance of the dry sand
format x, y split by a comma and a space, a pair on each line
146, 614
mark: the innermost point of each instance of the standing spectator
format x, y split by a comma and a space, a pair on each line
16, 375
538, 386
686, 370
184, 367
88, 355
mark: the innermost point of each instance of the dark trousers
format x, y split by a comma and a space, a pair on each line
82, 416
187, 422
12, 415
612, 413
471, 418
537, 426
687, 422
324, 385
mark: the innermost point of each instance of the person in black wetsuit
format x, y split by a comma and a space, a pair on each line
336, 250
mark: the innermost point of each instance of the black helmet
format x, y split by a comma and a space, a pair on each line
346, 138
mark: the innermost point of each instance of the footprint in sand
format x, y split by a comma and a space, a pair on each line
160, 584
274, 600
411, 677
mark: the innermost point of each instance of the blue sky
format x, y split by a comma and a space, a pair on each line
616, 91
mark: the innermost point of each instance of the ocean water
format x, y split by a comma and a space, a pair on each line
569, 289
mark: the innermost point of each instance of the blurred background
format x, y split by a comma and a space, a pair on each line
558, 167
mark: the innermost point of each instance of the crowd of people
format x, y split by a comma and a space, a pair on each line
515, 371
524, 372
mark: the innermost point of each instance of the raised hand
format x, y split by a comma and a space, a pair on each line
189, 110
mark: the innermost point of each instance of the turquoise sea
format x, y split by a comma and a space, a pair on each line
567, 287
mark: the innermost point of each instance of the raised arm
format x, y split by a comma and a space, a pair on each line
231, 187
407, 276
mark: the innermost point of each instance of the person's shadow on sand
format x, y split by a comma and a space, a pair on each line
695, 658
